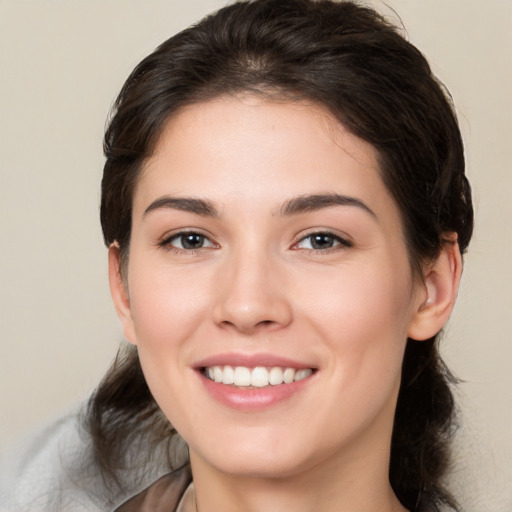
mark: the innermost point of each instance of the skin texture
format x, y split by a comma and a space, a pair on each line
258, 286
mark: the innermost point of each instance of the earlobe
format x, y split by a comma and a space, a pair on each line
441, 284
119, 293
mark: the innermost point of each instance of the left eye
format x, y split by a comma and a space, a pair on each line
189, 241
321, 241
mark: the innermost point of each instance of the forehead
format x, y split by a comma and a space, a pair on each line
252, 148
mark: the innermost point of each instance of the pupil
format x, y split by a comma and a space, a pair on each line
321, 241
192, 241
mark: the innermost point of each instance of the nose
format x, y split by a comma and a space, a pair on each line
251, 295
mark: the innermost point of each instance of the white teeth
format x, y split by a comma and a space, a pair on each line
258, 377
217, 373
302, 374
228, 376
288, 375
242, 376
275, 376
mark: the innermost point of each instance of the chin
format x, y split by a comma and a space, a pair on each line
261, 454
262, 465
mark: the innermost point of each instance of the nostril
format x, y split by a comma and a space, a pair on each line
265, 323
252, 314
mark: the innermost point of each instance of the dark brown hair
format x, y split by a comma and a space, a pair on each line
351, 60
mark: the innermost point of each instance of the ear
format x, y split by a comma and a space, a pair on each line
119, 293
440, 286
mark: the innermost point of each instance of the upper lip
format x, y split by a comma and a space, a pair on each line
251, 361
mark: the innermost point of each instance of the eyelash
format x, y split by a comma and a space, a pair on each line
167, 242
338, 241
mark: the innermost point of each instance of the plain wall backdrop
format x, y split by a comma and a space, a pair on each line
61, 66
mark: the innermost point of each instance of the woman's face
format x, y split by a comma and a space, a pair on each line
265, 248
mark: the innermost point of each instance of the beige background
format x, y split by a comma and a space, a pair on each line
61, 65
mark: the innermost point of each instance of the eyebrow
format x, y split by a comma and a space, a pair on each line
201, 207
314, 202
293, 206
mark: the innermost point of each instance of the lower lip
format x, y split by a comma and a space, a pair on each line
253, 399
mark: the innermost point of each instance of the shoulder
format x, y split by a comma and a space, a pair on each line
54, 471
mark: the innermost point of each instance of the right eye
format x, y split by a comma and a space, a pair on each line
322, 241
188, 241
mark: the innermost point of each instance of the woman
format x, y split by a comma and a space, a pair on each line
285, 207
284, 188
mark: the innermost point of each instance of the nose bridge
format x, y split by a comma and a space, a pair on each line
252, 296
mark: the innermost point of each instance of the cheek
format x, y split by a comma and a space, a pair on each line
363, 315
358, 295
167, 308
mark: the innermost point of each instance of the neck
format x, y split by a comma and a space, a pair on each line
336, 486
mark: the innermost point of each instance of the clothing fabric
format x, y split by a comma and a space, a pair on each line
53, 472
175, 493
168, 495
172, 492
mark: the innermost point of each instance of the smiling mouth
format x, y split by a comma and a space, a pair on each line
258, 377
